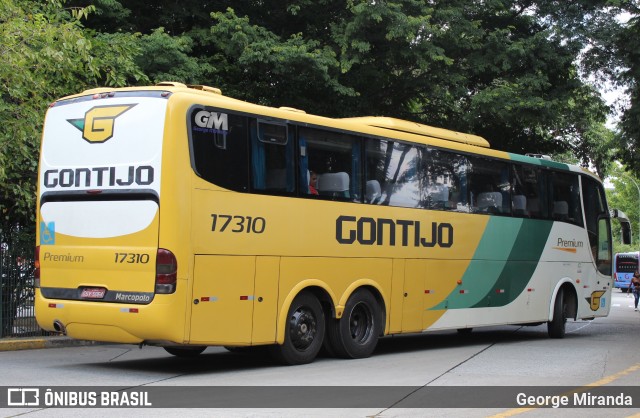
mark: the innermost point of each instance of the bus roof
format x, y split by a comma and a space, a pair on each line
372, 125
417, 128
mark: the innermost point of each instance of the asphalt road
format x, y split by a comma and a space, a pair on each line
604, 353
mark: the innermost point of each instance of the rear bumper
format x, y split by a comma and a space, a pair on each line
162, 319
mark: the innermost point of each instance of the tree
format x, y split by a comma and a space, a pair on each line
46, 54
629, 136
168, 58
624, 196
511, 71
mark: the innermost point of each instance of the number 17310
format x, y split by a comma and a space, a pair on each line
237, 223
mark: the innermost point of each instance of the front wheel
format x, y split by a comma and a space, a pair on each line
556, 327
355, 335
304, 331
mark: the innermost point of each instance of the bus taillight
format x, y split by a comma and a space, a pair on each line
36, 271
166, 272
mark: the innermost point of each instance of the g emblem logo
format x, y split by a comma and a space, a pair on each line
596, 300
97, 125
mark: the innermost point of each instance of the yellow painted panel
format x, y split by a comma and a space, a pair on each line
161, 320
125, 263
394, 314
265, 304
223, 288
245, 224
415, 271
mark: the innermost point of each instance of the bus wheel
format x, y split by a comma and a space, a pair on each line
556, 327
185, 351
304, 331
355, 335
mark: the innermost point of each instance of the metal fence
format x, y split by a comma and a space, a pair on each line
17, 316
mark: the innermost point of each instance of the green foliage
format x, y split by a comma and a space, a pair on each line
46, 54
262, 66
167, 58
629, 137
512, 71
625, 195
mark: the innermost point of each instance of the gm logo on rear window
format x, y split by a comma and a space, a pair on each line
97, 126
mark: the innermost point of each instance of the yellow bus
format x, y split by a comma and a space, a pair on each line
175, 216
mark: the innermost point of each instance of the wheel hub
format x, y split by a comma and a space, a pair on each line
303, 328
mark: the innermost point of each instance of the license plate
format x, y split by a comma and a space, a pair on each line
93, 293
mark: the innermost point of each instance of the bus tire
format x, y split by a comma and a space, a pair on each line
185, 351
304, 331
556, 327
355, 335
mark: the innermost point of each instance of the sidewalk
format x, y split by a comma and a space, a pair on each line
30, 343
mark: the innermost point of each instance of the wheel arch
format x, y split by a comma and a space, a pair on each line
374, 289
570, 294
317, 288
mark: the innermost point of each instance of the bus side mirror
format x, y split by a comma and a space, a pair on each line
626, 232
624, 224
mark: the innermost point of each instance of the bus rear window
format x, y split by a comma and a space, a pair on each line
626, 265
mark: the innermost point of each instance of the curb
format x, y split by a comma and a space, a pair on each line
15, 344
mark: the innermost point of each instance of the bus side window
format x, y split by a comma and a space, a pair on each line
529, 192
564, 198
220, 157
441, 179
490, 186
336, 159
272, 165
376, 161
396, 167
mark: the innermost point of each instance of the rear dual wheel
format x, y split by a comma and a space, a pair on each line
304, 331
355, 335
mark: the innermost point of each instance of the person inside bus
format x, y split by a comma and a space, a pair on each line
313, 183
634, 286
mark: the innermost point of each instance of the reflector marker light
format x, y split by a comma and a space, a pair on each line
56, 305
429, 291
246, 297
499, 290
530, 289
208, 298
129, 310
464, 291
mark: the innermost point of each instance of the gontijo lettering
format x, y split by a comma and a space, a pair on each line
99, 176
382, 231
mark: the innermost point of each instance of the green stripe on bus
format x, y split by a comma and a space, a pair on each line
503, 264
521, 264
486, 265
539, 161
